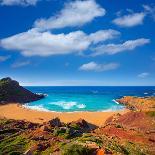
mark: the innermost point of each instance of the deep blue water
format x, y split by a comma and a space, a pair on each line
88, 98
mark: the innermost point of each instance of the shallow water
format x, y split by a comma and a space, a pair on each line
69, 99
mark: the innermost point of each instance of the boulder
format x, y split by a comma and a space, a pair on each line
55, 122
81, 123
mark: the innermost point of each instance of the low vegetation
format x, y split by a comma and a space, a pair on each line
151, 113
76, 149
132, 133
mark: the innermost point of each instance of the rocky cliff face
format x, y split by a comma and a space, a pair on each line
11, 91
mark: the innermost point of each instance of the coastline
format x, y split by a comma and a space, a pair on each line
18, 112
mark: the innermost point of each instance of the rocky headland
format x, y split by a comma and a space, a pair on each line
12, 92
138, 103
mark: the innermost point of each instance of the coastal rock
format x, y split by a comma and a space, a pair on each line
81, 123
44, 128
138, 103
42, 146
11, 91
152, 139
55, 122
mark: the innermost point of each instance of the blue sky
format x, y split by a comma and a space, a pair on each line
81, 42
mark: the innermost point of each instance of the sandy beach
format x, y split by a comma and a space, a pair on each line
16, 111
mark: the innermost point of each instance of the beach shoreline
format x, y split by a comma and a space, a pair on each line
18, 112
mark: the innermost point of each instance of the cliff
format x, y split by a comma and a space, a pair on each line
138, 103
11, 91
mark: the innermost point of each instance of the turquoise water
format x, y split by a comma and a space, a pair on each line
70, 99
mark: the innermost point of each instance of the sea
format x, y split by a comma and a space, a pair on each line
84, 98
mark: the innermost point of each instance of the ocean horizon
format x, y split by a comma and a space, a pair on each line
84, 98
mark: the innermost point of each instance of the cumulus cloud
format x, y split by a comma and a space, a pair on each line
92, 66
117, 48
4, 58
18, 2
75, 13
20, 64
33, 42
143, 75
130, 20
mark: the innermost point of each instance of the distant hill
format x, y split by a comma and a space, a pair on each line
11, 91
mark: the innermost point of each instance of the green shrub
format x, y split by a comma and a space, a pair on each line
151, 113
118, 126
5, 121
57, 131
76, 149
75, 126
15, 153
65, 133
90, 138
131, 148
12, 145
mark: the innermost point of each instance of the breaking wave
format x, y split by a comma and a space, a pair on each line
68, 105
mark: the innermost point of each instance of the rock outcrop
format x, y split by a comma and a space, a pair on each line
55, 122
138, 103
11, 91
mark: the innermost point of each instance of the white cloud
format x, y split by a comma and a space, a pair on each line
18, 2
4, 58
92, 66
130, 20
121, 12
75, 13
33, 42
143, 75
117, 48
150, 10
103, 35
20, 64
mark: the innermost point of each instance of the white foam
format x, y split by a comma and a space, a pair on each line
34, 107
115, 101
68, 105
42, 94
64, 105
81, 106
145, 93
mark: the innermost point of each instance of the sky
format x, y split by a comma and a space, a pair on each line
78, 42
